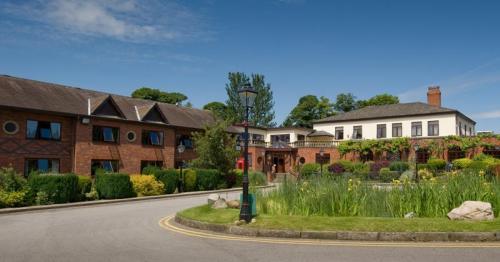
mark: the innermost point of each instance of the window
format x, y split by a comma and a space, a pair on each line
145, 163
470, 131
43, 130
433, 128
108, 166
422, 155
416, 128
105, 134
41, 165
397, 130
460, 129
10, 127
257, 137
152, 138
280, 141
186, 141
357, 132
131, 136
301, 137
339, 133
381, 131
322, 160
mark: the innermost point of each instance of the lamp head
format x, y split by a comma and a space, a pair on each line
247, 95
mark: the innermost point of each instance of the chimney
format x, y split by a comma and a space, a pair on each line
434, 96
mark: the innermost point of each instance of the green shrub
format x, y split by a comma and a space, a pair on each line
461, 163
12, 198
146, 185
436, 164
60, 188
408, 175
113, 186
386, 175
189, 180
400, 166
346, 164
257, 178
309, 169
84, 187
239, 177
360, 167
230, 179
10, 181
423, 166
207, 179
150, 170
479, 165
169, 178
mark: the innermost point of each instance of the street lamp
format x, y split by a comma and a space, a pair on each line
321, 154
416, 147
181, 148
247, 98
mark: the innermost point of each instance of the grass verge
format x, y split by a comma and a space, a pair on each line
320, 223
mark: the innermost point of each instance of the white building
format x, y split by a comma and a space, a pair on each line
399, 120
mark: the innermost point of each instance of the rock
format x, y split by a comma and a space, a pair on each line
410, 215
219, 204
472, 210
253, 220
239, 222
233, 203
212, 198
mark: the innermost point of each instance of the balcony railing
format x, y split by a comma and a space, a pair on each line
296, 144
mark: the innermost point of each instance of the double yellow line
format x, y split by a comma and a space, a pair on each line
167, 223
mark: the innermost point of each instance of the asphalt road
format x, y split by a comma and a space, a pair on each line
130, 232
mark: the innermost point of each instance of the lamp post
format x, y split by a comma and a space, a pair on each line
247, 97
180, 149
416, 147
321, 154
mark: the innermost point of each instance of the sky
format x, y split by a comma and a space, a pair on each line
302, 47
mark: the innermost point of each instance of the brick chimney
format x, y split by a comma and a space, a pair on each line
434, 96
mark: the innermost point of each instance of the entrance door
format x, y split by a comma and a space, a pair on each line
279, 163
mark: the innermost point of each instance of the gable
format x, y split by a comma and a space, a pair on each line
108, 108
154, 115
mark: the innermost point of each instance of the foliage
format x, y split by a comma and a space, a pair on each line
215, 148
408, 175
10, 181
146, 185
308, 109
158, 95
84, 187
386, 175
346, 164
262, 114
42, 198
382, 99
190, 180
376, 166
336, 168
169, 178
461, 163
114, 185
463, 142
345, 102
207, 179
436, 164
60, 188
218, 109
150, 170
376, 146
400, 166
257, 178
12, 198
336, 196
309, 169
231, 179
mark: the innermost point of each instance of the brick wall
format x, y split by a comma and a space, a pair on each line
15, 148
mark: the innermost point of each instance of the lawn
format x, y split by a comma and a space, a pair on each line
324, 223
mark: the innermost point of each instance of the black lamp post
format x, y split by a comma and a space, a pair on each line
321, 155
416, 147
180, 149
247, 97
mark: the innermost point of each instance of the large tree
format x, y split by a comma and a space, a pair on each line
262, 114
158, 95
308, 109
378, 100
345, 102
218, 109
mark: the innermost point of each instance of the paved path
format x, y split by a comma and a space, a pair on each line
130, 232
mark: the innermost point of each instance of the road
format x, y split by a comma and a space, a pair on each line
130, 232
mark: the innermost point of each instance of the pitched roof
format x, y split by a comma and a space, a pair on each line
387, 111
319, 133
35, 95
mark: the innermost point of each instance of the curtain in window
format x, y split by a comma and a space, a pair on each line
55, 129
43, 165
31, 128
108, 134
154, 138
55, 166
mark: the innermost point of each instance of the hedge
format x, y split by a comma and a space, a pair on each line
462, 163
146, 185
190, 180
436, 164
84, 187
386, 175
55, 188
112, 186
400, 166
309, 169
207, 179
169, 178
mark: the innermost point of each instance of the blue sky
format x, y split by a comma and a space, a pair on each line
301, 46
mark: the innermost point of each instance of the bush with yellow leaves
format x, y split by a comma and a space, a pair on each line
146, 185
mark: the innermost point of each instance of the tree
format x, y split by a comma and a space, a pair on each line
378, 100
158, 95
308, 109
218, 109
215, 148
345, 102
262, 114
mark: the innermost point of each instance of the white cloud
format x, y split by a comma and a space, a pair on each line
488, 114
127, 20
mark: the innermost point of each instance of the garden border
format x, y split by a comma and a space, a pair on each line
343, 235
113, 201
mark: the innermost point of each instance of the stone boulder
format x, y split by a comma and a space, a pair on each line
219, 204
233, 203
212, 198
472, 210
